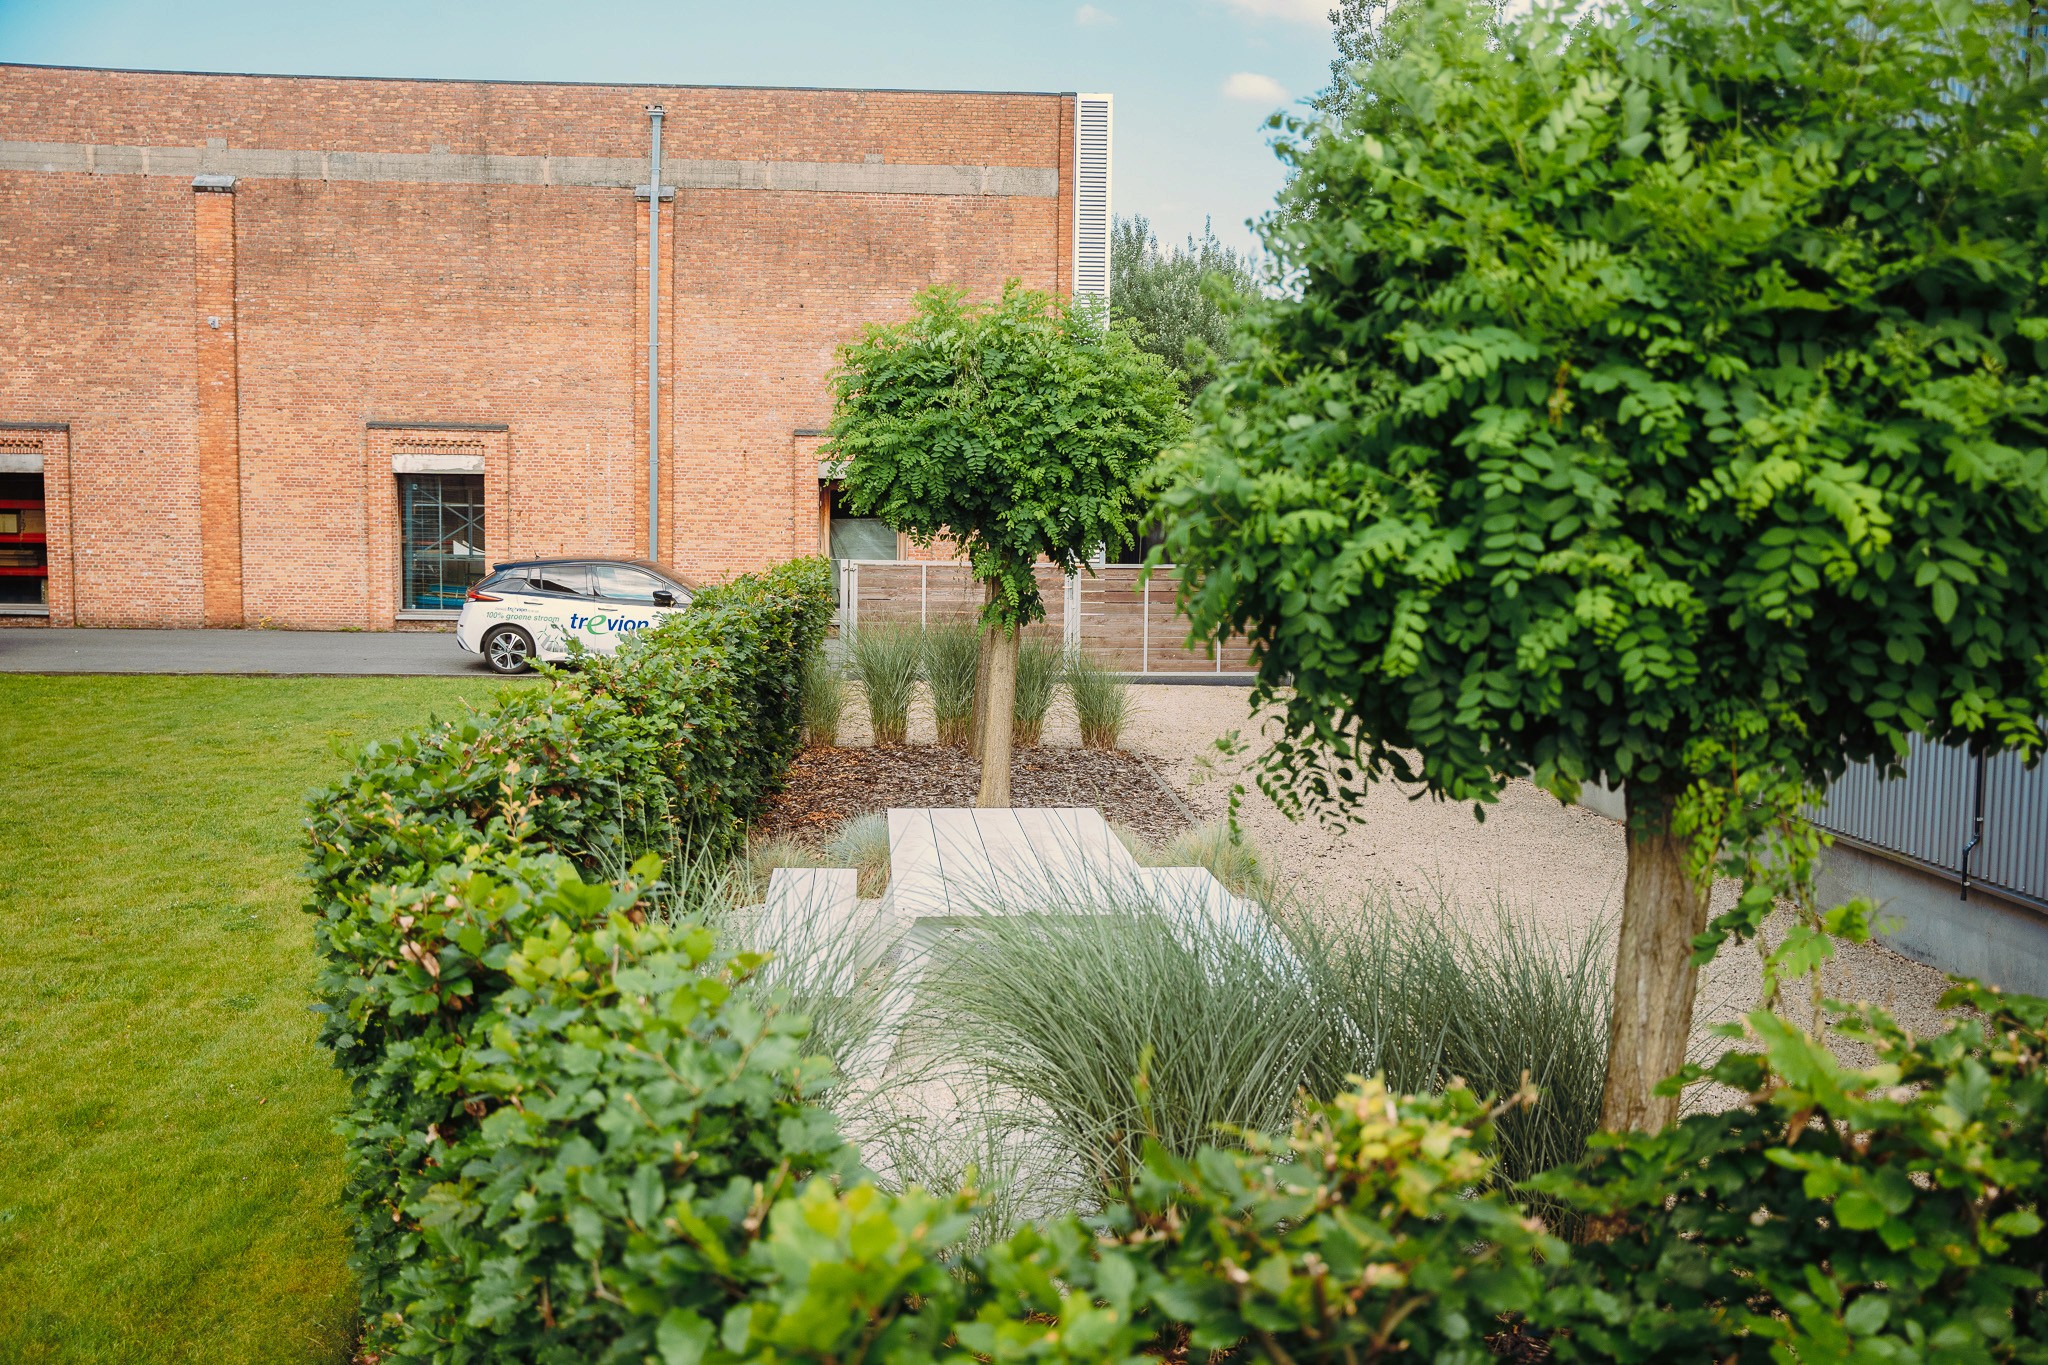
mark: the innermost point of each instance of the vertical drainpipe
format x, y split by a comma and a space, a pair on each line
654, 112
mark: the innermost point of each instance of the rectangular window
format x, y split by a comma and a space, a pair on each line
441, 530
24, 553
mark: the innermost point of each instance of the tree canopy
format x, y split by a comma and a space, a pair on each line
1018, 429
1172, 300
1662, 401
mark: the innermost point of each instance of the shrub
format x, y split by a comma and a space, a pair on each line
1892, 1212
824, 698
571, 1118
1039, 663
884, 659
1102, 701
589, 1135
1359, 1237
952, 661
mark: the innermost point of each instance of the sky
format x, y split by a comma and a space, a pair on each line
1194, 80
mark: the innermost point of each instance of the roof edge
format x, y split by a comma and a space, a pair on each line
566, 85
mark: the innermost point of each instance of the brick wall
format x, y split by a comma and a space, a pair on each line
463, 252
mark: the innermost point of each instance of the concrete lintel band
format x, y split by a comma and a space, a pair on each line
21, 461
592, 172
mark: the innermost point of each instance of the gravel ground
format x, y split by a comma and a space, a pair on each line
1561, 865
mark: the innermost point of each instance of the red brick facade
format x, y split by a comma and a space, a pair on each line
230, 303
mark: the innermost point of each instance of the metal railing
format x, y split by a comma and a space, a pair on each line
1981, 819
1118, 614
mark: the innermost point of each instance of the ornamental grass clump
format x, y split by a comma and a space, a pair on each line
1114, 1021
1122, 1018
952, 661
1228, 856
1429, 993
1102, 701
823, 689
884, 659
862, 844
1039, 663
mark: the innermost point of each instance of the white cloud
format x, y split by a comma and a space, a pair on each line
1088, 16
1316, 12
1250, 85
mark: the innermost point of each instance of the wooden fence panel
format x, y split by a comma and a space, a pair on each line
1127, 621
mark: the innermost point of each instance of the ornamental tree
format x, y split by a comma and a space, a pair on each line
1660, 400
1016, 429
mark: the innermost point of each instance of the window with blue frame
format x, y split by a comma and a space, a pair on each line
441, 525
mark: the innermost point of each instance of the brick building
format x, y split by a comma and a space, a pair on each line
311, 352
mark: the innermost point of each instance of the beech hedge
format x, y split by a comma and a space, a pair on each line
674, 741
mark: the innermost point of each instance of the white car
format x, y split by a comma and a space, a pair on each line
532, 609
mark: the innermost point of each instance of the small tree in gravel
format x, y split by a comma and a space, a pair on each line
1016, 429
1662, 401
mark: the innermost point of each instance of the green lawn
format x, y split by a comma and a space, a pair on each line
168, 1173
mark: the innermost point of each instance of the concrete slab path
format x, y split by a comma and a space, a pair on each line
352, 653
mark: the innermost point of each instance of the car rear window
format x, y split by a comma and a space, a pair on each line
567, 580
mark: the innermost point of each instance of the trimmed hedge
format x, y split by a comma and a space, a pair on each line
437, 856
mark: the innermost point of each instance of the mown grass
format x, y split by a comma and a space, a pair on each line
168, 1173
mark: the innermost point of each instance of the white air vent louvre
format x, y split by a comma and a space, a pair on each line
1092, 127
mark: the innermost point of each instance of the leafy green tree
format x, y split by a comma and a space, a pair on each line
1173, 300
1662, 402
1015, 429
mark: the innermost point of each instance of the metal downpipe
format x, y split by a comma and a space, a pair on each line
654, 115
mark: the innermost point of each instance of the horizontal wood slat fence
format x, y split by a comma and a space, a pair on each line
1112, 611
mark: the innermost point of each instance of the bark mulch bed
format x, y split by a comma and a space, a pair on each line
830, 785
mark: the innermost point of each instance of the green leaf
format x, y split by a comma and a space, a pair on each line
1859, 1210
1867, 1314
1943, 599
682, 1337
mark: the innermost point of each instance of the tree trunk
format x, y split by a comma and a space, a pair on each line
979, 716
999, 718
1654, 979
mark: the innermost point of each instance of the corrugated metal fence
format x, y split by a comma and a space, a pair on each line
1114, 612
1983, 821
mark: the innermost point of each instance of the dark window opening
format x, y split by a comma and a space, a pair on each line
24, 542
441, 526
858, 537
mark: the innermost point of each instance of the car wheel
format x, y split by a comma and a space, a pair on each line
508, 649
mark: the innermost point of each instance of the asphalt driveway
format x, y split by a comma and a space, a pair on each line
33, 649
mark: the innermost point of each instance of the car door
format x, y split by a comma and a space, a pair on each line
626, 600
557, 596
